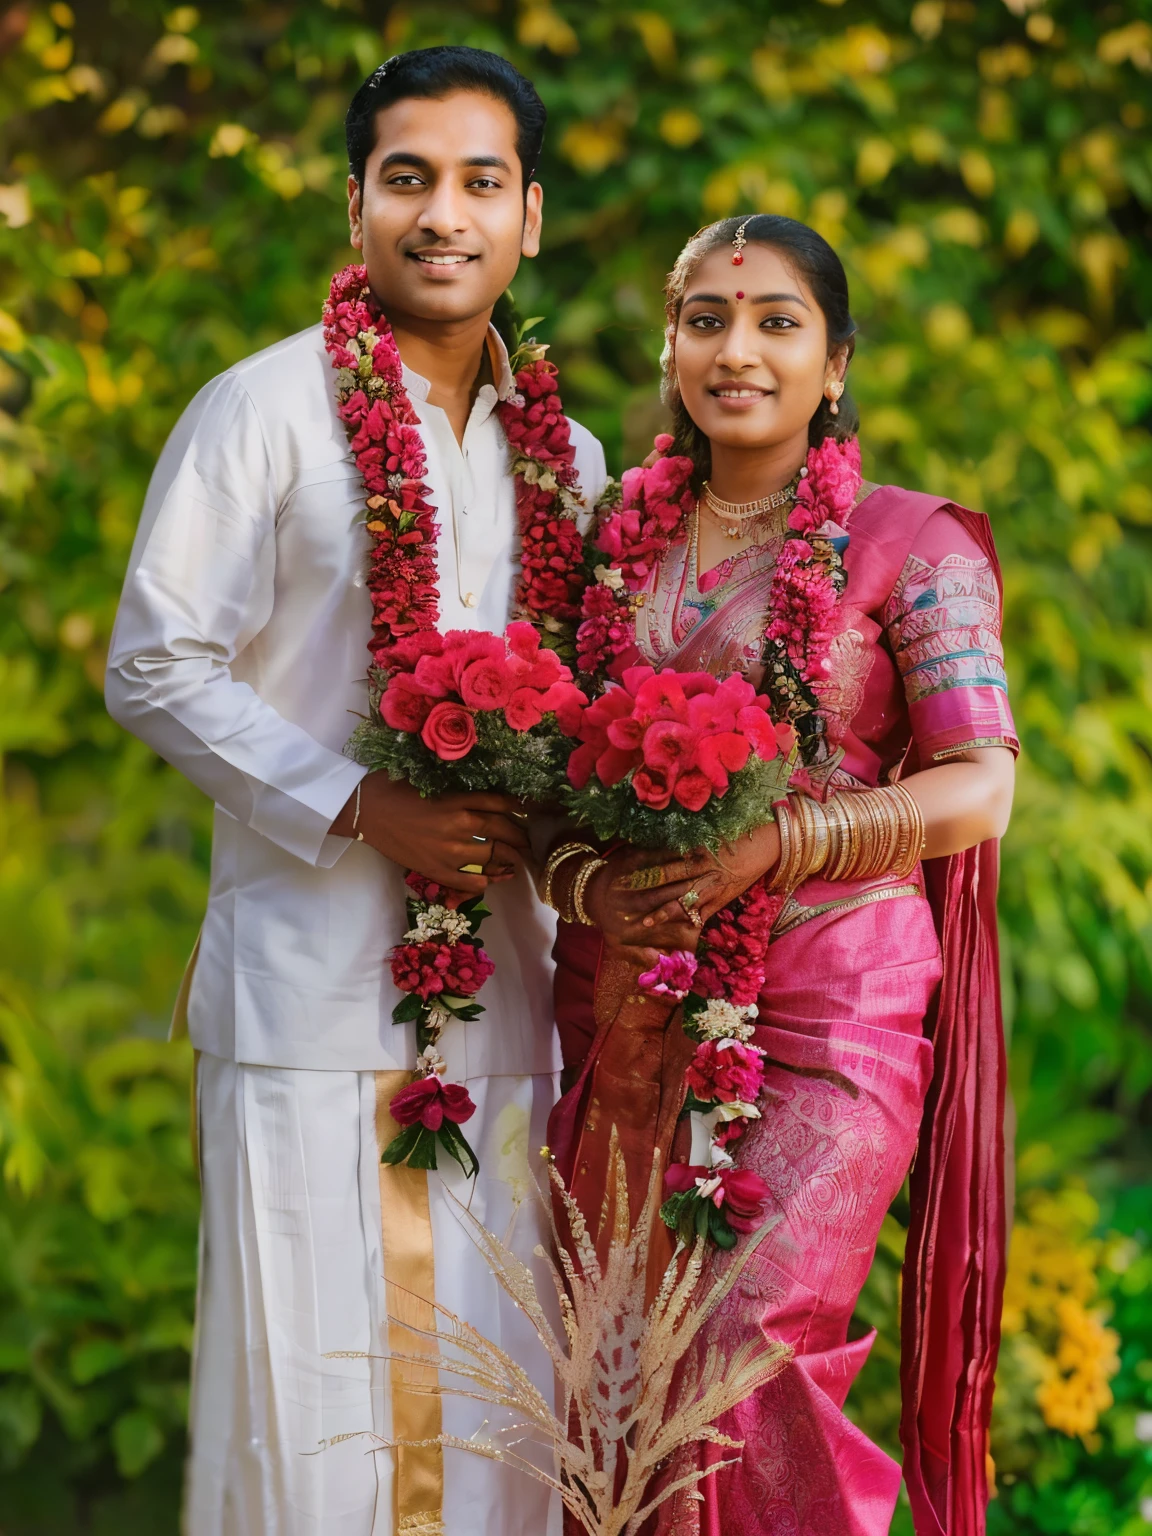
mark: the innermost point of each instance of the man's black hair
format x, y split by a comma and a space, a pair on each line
430, 73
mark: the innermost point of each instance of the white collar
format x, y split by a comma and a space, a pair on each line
418, 386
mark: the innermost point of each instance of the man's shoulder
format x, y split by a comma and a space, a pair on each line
298, 362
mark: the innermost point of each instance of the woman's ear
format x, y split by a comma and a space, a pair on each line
837, 367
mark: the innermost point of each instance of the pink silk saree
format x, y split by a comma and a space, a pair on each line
880, 1017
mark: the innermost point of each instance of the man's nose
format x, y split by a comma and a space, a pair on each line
445, 212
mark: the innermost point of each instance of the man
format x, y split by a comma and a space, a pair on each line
239, 654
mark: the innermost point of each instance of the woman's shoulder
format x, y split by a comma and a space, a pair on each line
892, 525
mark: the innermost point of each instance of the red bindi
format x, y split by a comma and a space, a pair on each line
739, 293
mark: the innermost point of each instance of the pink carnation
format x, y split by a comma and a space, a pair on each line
671, 976
723, 1072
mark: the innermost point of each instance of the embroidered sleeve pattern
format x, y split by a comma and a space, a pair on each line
943, 624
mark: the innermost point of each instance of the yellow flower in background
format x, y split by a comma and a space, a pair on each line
593, 146
1021, 231
874, 160
1128, 45
979, 176
680, 127
962, 226
230, 139
947, 328
1049, 1320
542, 27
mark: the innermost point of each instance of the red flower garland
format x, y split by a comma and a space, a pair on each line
384, 434
438, 969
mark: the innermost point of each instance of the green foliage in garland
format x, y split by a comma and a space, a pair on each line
171, 199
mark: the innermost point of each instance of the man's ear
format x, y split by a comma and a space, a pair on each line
533, 220
355, 223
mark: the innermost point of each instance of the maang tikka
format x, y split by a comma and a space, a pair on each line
739, 242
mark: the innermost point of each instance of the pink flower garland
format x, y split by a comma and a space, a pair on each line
721, 986
438, 968
804, 592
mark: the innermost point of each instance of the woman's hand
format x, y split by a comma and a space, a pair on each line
656, 918
620, 911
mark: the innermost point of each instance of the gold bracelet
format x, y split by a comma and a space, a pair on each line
913, 833
780, 878
555, 859
579, 884
356, 813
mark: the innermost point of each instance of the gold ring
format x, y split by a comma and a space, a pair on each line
470, 869
695, 919
690, 899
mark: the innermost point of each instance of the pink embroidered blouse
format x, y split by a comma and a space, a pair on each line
926, 665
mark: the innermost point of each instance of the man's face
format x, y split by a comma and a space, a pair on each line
441, 219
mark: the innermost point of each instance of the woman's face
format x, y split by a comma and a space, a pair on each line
751, 349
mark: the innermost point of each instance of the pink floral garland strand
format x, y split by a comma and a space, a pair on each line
806, 583
711, 1196
440, 967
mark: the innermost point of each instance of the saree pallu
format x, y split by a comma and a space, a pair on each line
882, 1025
848, 1068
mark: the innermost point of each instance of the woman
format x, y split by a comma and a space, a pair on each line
879, 1010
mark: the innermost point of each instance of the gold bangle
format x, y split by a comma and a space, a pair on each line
555, 859
779, 881
579, 884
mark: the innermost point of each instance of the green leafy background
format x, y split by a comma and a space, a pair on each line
171, 200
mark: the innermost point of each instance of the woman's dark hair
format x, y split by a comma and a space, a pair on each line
822, 270
431, 73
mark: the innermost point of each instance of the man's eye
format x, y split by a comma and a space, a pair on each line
406, 179
485, 183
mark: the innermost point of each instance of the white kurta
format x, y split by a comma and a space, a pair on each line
239, 655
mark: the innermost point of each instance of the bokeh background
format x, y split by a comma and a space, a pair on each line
171, 193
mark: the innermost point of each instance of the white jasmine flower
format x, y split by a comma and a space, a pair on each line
722, 1021
430, 1063
607, 577
436, 1019
737, 1110
438, 923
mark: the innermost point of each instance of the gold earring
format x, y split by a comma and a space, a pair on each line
832, 394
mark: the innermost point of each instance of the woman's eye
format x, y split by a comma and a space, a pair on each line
705, 322
779, 323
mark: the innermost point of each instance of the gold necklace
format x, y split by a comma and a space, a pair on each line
734, 517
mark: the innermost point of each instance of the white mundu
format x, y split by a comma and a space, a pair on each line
239, 655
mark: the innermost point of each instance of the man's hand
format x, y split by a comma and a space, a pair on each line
438, 834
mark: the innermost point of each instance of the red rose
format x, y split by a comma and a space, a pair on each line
432, 1101
449, 731
404, 707
486, 684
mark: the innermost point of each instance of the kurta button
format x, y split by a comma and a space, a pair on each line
469, 599
589, 1125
